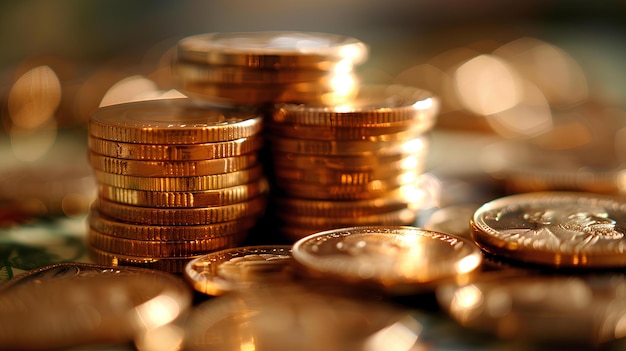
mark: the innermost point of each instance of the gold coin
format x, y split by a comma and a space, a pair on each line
403, 216
176, 152
246, 267
198, 183
303, 131
413, 144
327, 91
560, 229
124, 230
206, 198
404, 182
162, 248
167, 264
373, 106
388, 202
289, 316
273, 50
582, 310
173, 121
396, 259
203, 73
331, 176
196, 168
180, 216
368, 162
78, 305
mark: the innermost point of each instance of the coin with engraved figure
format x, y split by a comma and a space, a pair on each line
560, 229
396, 259
240, 268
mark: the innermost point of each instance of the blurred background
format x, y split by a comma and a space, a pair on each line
544, 72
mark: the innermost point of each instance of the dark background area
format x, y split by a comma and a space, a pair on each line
84, 34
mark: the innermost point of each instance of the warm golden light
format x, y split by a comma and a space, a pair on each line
554, 71
486, 85
531, 116
158, 311
34, 98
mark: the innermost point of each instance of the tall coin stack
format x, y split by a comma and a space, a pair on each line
263, 68
175, 181
351, 164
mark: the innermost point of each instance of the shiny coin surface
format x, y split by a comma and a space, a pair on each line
331, 176
191, 183
373, 106
70, 305
175, 121
141, 168
180, 216
328, 91
404, 182
412, 144
162, 248
274, 50
561, 229
206, 198
124, 230
240, 268
321, 208
398, 260
203, 73
289, 317
365, 133
563, 310
175, 152
405, 216
166, 264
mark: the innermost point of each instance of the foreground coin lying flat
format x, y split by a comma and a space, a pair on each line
396, 259
73, 304
580, 310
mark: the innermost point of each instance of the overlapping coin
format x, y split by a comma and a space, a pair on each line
352, 164
583, 311
260, 68
175, 181
557, 229
239, 268
71, 305
393, 259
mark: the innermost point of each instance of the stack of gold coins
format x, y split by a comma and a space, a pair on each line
175, 180
259, 68
350, 164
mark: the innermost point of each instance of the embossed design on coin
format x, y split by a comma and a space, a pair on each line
240, 267
397, 259
555, 228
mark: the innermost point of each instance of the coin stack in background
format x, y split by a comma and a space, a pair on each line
351, 164
263, 68
175, 180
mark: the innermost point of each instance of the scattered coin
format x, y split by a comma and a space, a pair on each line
396, 259
559, 229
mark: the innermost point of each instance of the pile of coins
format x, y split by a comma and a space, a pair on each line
174, 181
351, 164
260, 68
